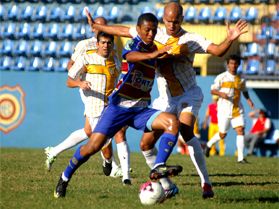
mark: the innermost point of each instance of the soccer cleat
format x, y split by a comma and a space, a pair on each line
61, 187
116, 172
162, 171
50, 158
127, 182
169, 193
206, 151
107, 167
207, 191
244, 161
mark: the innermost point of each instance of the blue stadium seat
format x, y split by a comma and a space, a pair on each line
24, 31
79, 32
52, 31
218, 1
267, 32
36, 49
56, 14
7, 47
3, 13
49, 64
190, 15
21, 48
147, 9
38, 31
9, 31
62, 65
51, 49
251, 14
270, 66
66, 32
100, 11
70, 14
270, 50
13, 13
235, 14
253, 49
89, 33
253, 67
204, 15
220, 15
27, 13
20, 64
65, 50
275, 17
113, 14
160, 13
6, 63
35, 64
40, 14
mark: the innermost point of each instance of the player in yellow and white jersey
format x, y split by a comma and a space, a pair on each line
228, 86
84, 47
177, 85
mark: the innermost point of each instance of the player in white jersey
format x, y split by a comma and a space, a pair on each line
177, 83
228, 86
110, 167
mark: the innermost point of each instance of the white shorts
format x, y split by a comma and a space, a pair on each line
224, 123
190, 102
93, 122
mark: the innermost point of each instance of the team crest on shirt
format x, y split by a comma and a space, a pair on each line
12, 107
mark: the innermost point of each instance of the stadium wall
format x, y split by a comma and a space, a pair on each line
53, 111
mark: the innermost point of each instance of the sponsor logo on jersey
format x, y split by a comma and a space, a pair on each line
12, 107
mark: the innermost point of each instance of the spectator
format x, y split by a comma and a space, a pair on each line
260, 128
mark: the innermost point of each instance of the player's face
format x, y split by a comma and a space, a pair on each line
232, 66
147, 31
105, 46
172, 23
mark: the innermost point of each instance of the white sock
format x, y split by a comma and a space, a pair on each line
104, 159
124, 158
213, 140
64, 177
240, 147
75, 138
150, 157
198, 160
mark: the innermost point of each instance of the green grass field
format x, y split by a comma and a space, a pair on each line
26, 184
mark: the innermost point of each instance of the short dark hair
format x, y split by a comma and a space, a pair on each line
234, 57
149, 17
103, 34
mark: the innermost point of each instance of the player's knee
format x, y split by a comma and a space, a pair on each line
173, 124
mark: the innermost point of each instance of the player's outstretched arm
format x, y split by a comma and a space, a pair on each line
232, 35
116, 30
135, 56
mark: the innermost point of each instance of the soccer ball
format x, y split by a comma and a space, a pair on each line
151, 193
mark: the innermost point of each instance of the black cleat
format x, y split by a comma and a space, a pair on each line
61, 188
107, 167
207, 191
206, 151
163, 171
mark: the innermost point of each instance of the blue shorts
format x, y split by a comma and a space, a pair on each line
115, 117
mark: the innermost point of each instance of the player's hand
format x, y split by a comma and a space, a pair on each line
89, 18
239, 29
164, 50
85, 85
223, 95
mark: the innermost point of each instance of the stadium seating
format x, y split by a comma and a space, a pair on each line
253, 49
62, 65
9, 31
40, 14
3, 13
70, 14
270, 66
20, 64
6, 63
49, 64
113, 14
35, 64
66, 32
65, 50
56, 14
79, 32
38, 31
204, 15
27, 13
267, 32
51, 49
13, 13
220, 15
253, 67
190, 15
52, 31
160, 13
7, 47
21, 49
36, 49
24, 31
251, 15
235, 14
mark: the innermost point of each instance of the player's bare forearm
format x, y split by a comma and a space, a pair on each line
116, 30
73, 83
219, 93
140, 56
220, 49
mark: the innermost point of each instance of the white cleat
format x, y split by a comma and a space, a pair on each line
50, 158
116, 172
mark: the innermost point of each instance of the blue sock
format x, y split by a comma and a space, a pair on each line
166, 146
76, 161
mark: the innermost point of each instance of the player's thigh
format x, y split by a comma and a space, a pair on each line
223, 124
120, 136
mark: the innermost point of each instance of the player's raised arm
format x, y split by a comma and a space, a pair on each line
232, 35
116, 30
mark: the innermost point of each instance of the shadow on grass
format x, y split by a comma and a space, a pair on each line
234, 183
257, 199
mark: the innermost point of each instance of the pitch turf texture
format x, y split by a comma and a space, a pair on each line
26, 184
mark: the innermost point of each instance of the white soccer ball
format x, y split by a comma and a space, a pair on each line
151, 193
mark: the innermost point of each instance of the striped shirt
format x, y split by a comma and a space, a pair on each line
232, 85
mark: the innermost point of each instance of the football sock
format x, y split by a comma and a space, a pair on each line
75, 138
124, 158
213, 140
167, 142
240, 147
76, 161
150, 157
198, 160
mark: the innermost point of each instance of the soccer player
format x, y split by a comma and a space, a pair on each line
178, 89
110, 167
128, 105
228, 87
